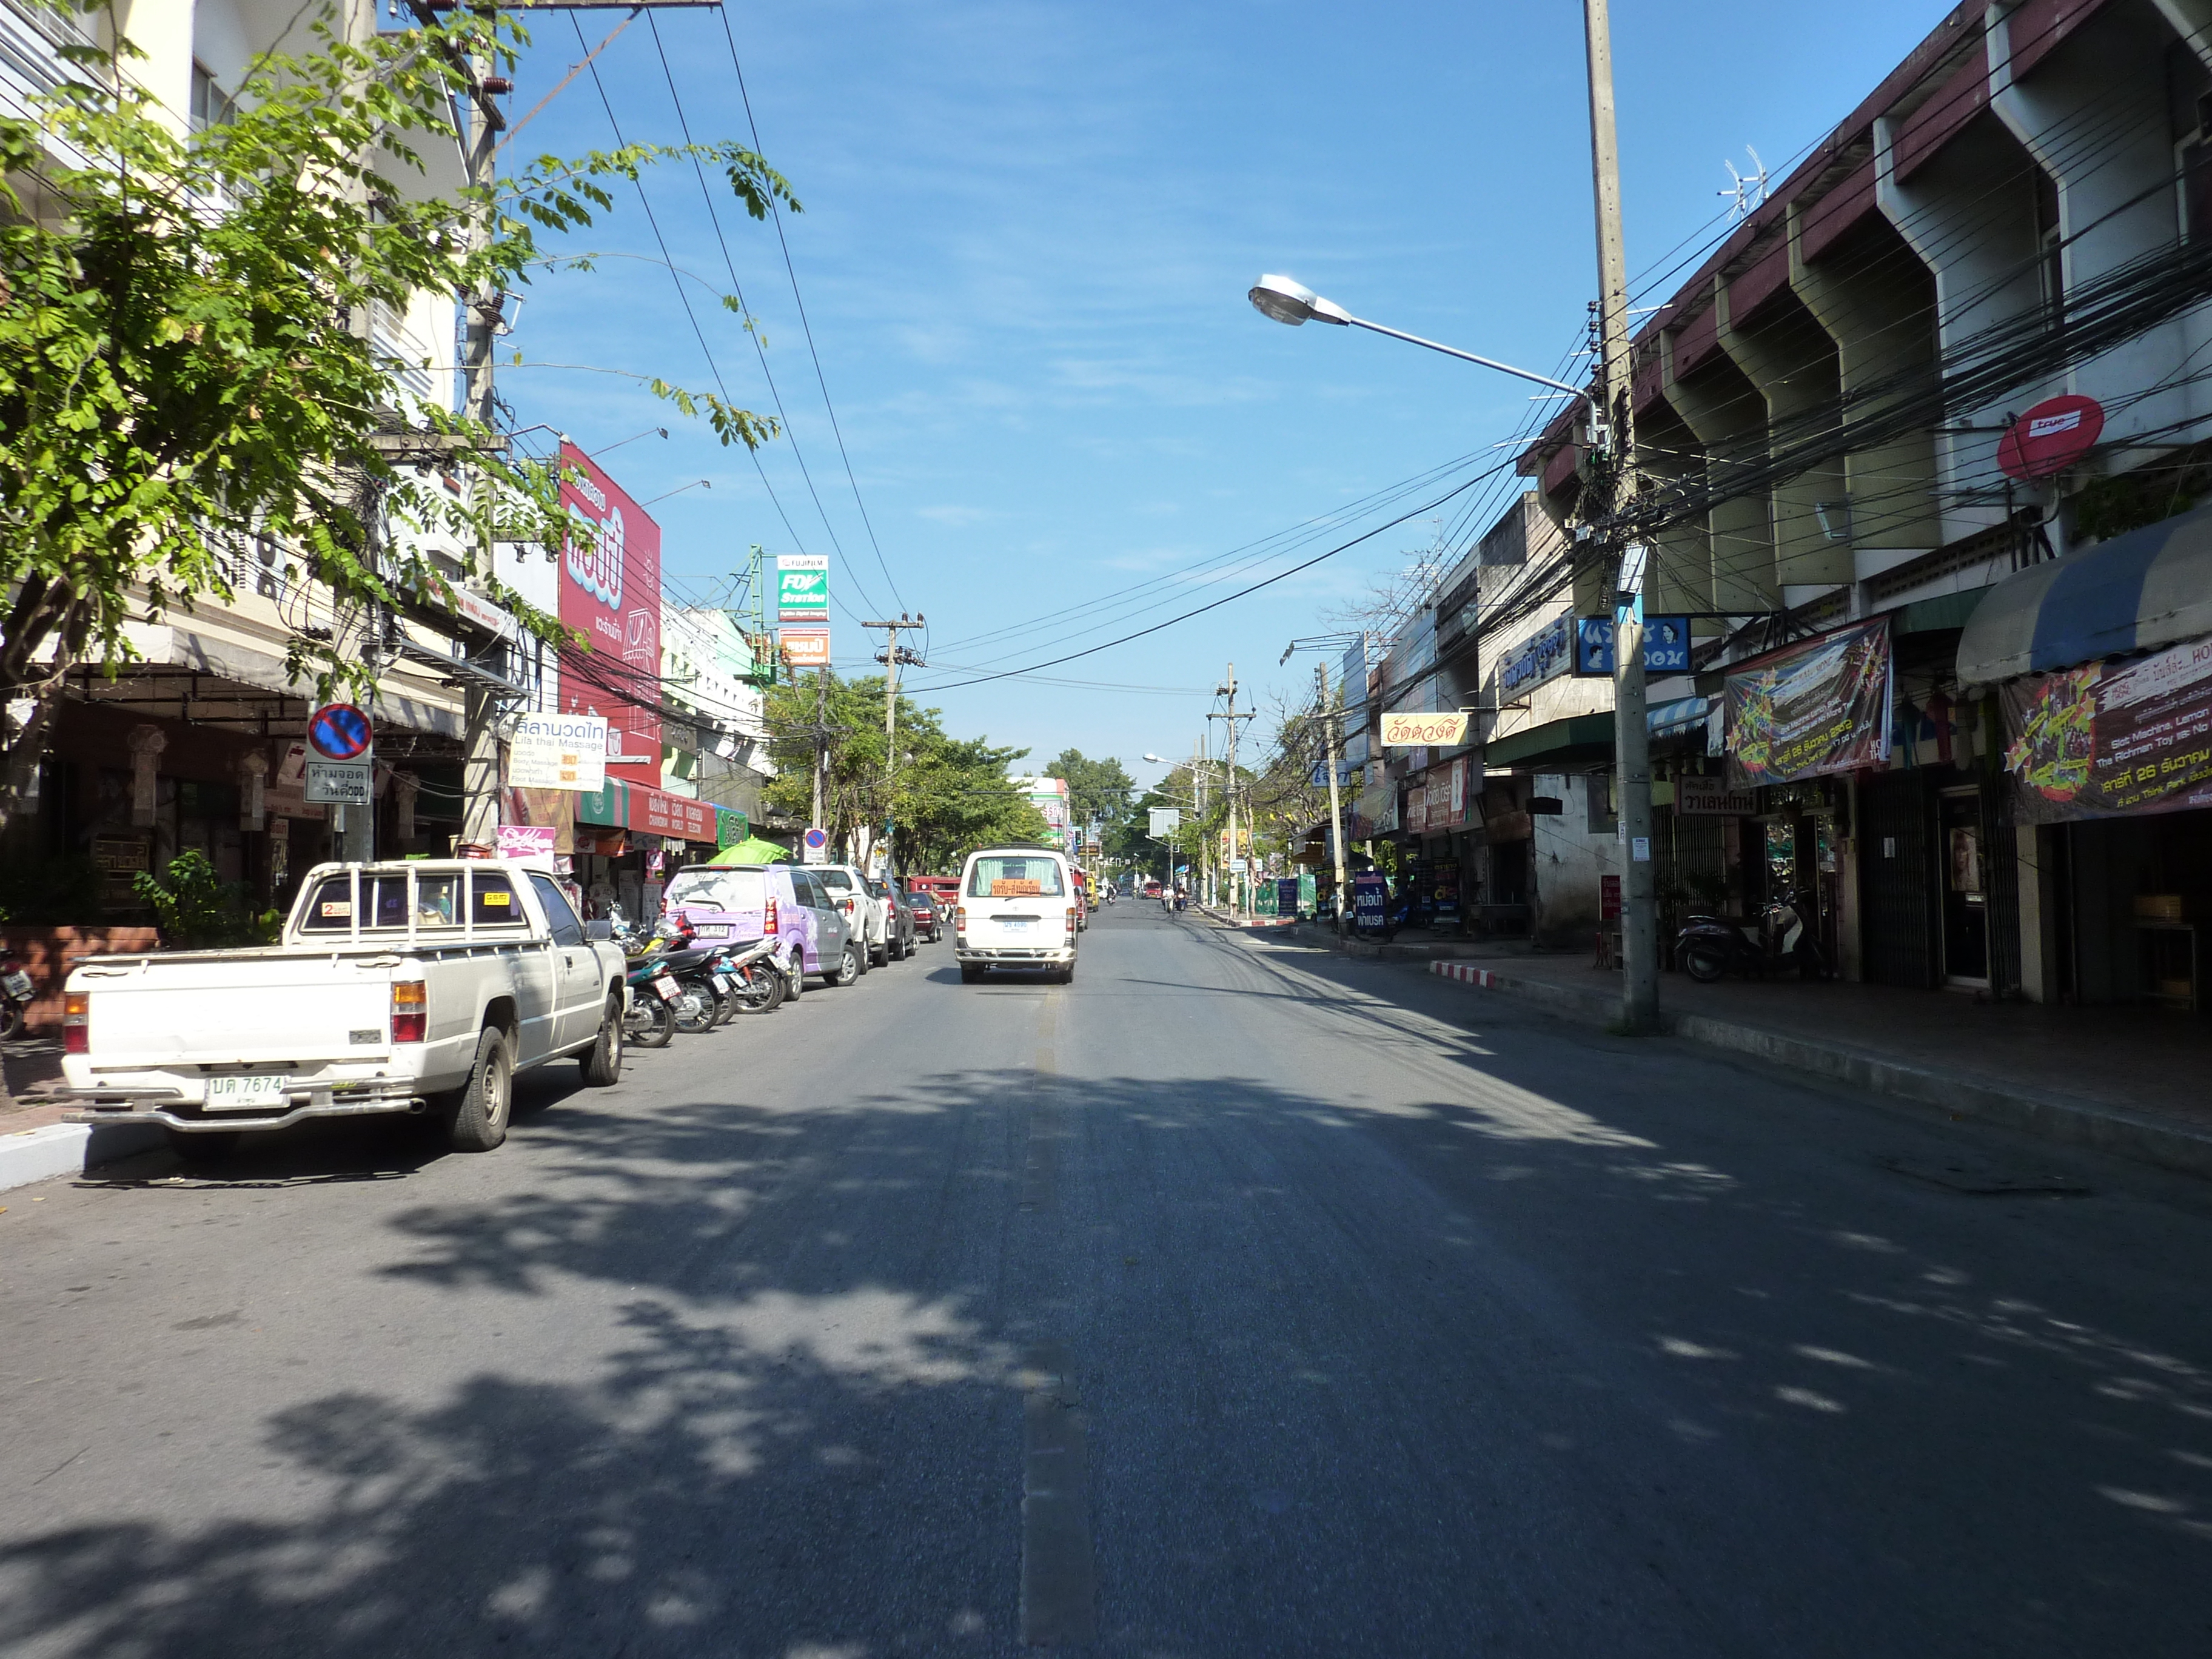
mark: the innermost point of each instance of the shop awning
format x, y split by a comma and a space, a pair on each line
1578, 738
2149, 587
651, 812
1672, 720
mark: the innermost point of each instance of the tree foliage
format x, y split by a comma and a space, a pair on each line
186, 363
1098, 791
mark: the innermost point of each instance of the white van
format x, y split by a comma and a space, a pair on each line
1016, 908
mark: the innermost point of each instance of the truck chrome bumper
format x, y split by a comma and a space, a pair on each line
172, 1111
1035, 958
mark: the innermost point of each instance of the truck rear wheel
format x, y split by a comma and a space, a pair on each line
603, 1062
475, 1114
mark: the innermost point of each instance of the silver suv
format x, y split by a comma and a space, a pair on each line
863, 911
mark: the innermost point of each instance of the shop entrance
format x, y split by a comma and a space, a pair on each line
1960, 843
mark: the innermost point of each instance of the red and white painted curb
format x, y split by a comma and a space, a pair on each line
1467, 973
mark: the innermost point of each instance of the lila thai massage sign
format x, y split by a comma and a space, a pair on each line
1818, 707
2113, 738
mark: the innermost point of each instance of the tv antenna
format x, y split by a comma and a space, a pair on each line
1748, 190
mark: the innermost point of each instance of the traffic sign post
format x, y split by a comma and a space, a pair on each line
817, 842
341, 774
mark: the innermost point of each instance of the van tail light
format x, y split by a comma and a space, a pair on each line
76, 1023
959, 918
769, 919
1068, 916
409, 1010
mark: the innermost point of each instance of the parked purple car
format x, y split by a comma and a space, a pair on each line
737, 903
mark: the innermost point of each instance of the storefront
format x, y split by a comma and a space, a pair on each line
2095, 680
629, 838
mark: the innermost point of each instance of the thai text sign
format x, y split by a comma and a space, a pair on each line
1813, 708
1413, 731
806, 647
558, 752
2114, 738
610, 593
1542, 655
1666, 646
1696, 796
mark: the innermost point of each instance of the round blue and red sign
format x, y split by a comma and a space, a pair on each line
340, 732
817, 840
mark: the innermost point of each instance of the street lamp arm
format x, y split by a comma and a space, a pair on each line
1469, 357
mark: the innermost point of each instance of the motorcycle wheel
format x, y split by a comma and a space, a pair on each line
726, 1006
1702, 965
694, 1008
12, 1019
648, 1024
761, 994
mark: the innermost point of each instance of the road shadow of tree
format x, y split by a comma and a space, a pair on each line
803, 1436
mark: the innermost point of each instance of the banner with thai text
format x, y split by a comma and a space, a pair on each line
2111, 738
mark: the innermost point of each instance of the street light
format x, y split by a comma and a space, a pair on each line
1288, 300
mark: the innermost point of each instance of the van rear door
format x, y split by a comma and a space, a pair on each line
1016, 901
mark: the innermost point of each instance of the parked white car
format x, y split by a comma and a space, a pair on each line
1016, 908
864, 912
417, 987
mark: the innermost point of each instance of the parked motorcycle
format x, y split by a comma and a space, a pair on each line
758, 979
650, 1022
16, 991
1711, 946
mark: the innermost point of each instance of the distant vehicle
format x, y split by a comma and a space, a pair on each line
898, 918
1019, 908
402, 988
928, 919
864, 912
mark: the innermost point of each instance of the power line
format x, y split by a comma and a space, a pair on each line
775, 214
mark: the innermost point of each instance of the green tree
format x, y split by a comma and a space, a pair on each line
183, 367
1098, 791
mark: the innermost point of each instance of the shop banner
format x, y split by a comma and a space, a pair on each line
1813, 708
1411, 731
2111, 738
610, 593
1666, 647
802, 587
558, 752
1370, 894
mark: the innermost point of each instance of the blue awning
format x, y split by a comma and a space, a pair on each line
1668, 719
2139, 591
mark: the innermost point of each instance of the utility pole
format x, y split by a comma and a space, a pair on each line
1329, 735
1241, 891
1639, 928
891, 656
821, 743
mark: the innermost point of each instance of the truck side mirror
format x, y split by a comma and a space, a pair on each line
598, 930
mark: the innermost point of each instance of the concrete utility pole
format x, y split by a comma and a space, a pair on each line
821, 743
1329, 737
1639, 929
891, 656
1242, 889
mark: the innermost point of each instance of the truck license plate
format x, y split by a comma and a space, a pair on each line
1016, 924
240, 1094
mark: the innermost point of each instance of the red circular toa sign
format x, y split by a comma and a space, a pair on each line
2050, 437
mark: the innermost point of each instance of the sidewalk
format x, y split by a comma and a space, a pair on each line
2133, 1081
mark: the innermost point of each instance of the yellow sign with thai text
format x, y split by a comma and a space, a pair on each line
1416, 731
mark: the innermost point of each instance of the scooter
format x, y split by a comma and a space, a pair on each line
16, 991
759, 984
650, 1022
1710, 946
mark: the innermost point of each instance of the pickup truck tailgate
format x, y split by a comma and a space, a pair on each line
239, 1008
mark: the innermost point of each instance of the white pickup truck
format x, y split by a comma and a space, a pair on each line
417, 987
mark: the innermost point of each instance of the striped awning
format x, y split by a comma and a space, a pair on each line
2139, 591
1668, 719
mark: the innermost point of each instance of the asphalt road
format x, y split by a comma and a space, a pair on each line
1233, 1300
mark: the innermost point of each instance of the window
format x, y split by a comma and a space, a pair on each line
566, 929
211, 106
437, 901
2050, 239
836, 880
1009, 877
491, 901
384, 901
808, 886
329, 909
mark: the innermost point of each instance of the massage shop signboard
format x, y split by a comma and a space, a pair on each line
1819, 706
2111, 738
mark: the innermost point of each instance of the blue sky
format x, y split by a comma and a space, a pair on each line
1028, 232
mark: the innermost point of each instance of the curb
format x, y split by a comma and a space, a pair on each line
2067, 1118
60, 1148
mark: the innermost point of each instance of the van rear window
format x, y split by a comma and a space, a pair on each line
1002, 877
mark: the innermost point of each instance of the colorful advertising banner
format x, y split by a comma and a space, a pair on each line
802, 587
2113, 738
610, 593
1811, 709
